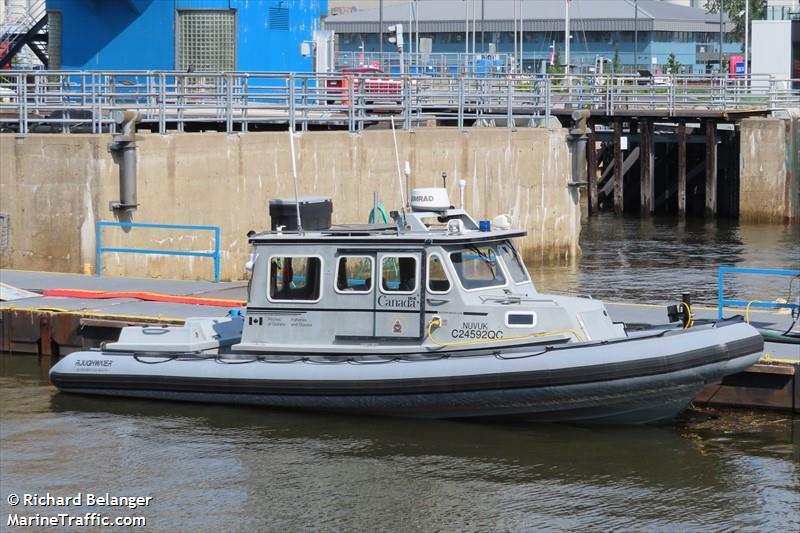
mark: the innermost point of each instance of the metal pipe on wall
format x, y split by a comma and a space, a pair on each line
124, 146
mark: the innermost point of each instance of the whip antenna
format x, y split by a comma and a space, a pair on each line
294, 177
399, 172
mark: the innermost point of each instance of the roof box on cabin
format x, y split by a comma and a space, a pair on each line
315, 213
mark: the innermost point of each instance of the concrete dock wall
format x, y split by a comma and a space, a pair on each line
770, 169
54, 188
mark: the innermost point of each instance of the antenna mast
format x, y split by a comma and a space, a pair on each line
294, 177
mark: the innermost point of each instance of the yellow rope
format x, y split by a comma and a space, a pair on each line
436, 323
747, 310
769, 359
690, 319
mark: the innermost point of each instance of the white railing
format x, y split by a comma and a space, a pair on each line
49, 101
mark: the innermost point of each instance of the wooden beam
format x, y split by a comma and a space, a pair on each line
591, 166
646, 167
711, 167
682, 168
618, 197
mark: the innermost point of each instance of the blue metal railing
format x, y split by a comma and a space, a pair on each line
722, 301
101, 249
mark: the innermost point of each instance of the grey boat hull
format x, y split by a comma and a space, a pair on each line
631, 381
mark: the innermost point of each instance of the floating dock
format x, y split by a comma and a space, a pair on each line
51, 315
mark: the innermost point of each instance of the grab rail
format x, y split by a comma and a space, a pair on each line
104, 223
722, 301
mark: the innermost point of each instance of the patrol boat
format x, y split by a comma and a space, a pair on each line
433, 315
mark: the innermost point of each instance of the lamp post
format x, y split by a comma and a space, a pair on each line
636, 35
566, 38
721, 11
746, 37
483, 19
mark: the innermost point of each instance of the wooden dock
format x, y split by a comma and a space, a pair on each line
53, 326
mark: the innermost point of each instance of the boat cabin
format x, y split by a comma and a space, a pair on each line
434, 279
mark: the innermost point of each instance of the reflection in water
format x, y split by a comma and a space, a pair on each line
213, 468
658, 259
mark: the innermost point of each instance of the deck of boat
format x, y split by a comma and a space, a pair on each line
55, 326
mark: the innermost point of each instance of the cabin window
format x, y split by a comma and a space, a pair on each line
399, 274
513, 262
354, 274
477, 268
295, 278
438, 282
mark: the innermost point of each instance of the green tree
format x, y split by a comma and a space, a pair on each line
673, 65
615, 64
556, 67
735, 12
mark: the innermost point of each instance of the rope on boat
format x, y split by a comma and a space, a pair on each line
769, 359
437, 323
689, 314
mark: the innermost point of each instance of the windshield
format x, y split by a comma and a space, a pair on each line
476, 267
513, 263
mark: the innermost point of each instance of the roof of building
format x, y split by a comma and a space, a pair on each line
538, 15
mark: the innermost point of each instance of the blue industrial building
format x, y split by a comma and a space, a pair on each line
193, 35
639, 33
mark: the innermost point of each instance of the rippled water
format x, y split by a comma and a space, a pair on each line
658, 259
219, 468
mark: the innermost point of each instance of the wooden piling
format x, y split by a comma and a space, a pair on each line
682, 168
646, 167
618, 192
591, 164
711, 167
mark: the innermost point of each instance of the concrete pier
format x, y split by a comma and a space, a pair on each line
770, 169
746, 167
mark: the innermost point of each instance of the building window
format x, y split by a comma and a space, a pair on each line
295, 278
354, 274
54, 36
279, 18
206, 40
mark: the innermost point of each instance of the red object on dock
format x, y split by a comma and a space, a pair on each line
144, 296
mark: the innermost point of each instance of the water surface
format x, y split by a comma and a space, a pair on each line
655, 260
221, 468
